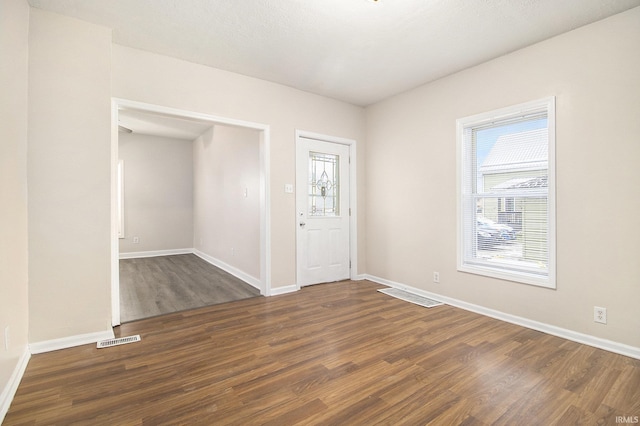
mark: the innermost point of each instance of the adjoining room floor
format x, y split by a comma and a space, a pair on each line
160, 285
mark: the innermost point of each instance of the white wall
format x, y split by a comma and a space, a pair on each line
161, 80
227, 220
411, 174
14, 310
69, 177
158, 192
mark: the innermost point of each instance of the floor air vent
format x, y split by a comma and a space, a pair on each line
119, 341
410, 297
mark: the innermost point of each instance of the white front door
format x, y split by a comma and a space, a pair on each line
322, 211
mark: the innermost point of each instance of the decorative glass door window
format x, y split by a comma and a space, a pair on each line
324, 184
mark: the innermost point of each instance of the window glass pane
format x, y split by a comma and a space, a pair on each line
504, 150
120, 195
510, 225
516, 240
324, 184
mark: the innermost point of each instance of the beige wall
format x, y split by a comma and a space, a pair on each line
69, 177
72, 67
14, 311
158, 192
411, 175
227, 223
161, 80
409, 181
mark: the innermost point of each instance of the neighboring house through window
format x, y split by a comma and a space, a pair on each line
506, 199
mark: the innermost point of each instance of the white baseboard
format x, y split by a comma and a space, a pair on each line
69, 342
252, 281
154, 253
11, 387
283, 290
608, 345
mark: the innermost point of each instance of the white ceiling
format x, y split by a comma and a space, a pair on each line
358, 51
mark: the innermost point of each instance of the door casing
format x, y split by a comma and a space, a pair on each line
265, 193
353, 218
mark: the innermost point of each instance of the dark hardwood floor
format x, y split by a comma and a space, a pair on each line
160, 285
333, 354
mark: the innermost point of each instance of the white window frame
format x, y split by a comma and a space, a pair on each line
504, 114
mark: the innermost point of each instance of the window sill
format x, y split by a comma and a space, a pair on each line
519, 277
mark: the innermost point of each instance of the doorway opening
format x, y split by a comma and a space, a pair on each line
125, 112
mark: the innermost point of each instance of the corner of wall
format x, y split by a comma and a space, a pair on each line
9, 391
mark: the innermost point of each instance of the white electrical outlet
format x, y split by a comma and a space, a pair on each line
600, 314
136, 240
436, 277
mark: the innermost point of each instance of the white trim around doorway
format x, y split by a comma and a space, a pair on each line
353, 199
265, 199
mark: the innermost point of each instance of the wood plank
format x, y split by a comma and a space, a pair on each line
339, 353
